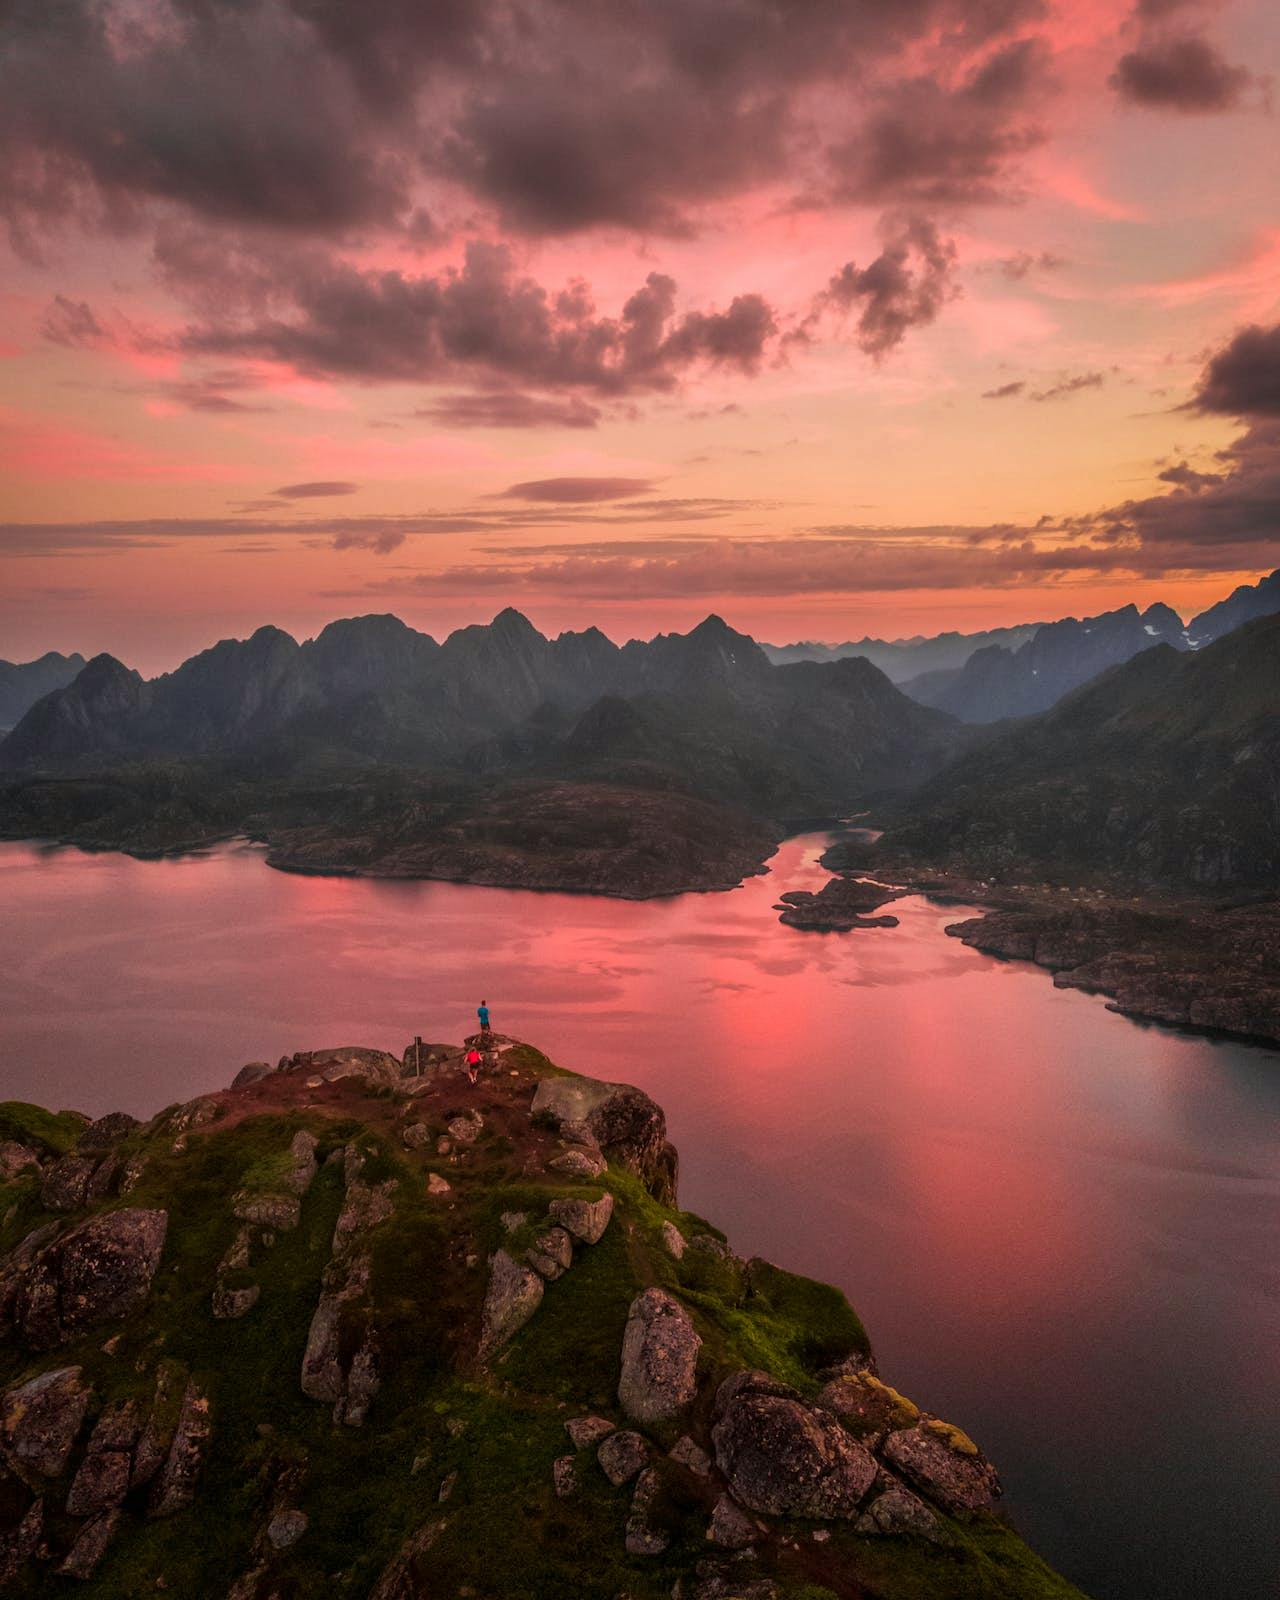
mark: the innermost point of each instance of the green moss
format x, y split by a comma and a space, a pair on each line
49, 1131
954, 1438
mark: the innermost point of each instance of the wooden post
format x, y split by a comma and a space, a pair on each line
417, 1055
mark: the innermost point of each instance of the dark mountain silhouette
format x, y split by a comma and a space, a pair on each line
903, 659
1250, 600
22, 683
95, 713
996, 682
706, 710
1163, 771
498, 756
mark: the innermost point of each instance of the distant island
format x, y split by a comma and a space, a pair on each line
356, 1326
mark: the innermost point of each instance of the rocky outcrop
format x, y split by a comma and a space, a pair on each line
106, 1132
66, 1183
97, 1272
784, 1457
16, 1159
90, 1545
40, 1421
551, 1253
586, 1220
868, 1408
944, 1464
644, 1536
174, 1488
251, 1072
622, 1455
515, 1292
20, 1543
102, 1479
628, 1126
349, 1061
341, 1362
659, 1358
730, 1527
586, 1431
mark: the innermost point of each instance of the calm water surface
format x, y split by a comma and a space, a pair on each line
1060, 1226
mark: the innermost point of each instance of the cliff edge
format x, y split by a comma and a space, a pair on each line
358, 1326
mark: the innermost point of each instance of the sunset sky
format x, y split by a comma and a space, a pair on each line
832, 318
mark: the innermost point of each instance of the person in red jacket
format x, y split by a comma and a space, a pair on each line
473, 1061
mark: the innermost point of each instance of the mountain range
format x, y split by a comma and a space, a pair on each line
22, 683
1017, 672
502, 756
903, 659
705, 709
1163, 770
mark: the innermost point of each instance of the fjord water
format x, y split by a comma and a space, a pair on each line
1060, 1226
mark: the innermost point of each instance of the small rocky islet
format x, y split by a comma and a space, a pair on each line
357, 1326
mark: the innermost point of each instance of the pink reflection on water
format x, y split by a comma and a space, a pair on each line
1049, 1215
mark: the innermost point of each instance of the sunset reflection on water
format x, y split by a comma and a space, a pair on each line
1049, 1215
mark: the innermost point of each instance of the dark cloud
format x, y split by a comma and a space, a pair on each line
904, 287
509, 408
326, 318
319, 490
1184, 73
314, 116
1243, 378
1006, 391
556, 158
1238, 507
72, 323
927, 144
1068, 386
1186, 477
578, 490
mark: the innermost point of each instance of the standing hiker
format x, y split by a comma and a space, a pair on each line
482, 1011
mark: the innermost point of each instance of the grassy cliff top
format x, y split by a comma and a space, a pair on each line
319, 1387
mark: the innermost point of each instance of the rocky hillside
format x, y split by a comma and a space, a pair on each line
704, 711
22, 683
358, 1327
1164, 771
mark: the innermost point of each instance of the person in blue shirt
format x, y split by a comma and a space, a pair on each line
482, 1011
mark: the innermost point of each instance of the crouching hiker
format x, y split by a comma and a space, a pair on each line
473, 1062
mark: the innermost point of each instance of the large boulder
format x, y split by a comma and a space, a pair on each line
514, 1294
102, 1479
107, 1131
97, 1272
16, 1158
945, 1464
586, 1220
659, 1358
175, 1487
349, 1061
41, 1419
66, 1183
629, 1127
91, 1545
784, 1457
